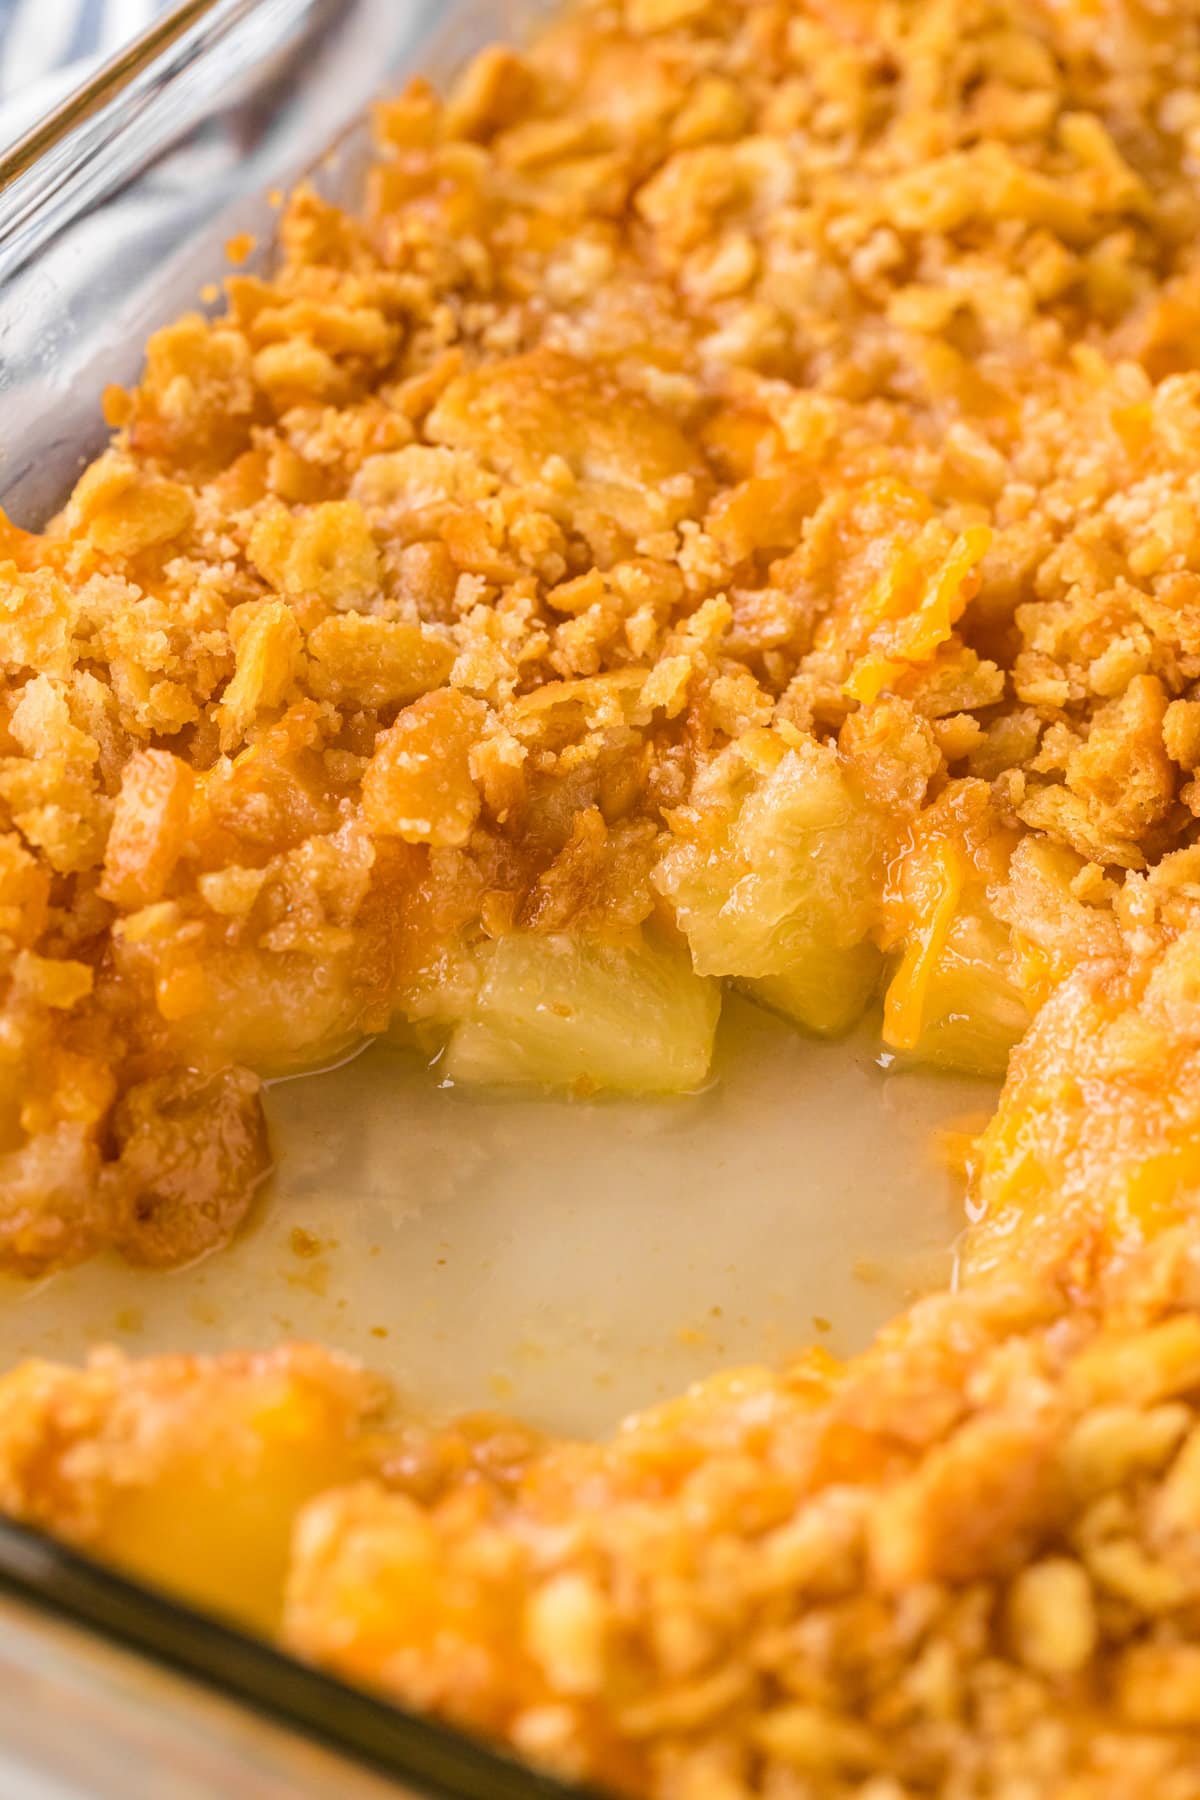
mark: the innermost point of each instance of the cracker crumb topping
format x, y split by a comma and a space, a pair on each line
726, 507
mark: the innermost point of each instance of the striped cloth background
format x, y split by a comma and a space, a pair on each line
48, 46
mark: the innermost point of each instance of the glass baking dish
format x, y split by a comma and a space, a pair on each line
408, 1225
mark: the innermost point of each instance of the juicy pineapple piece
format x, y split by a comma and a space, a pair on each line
973, 1013
953, 1002
564, 1012
826, 990
188, 1472
783, 893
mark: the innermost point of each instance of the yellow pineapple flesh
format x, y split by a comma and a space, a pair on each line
953, 1001
561, 1011
780, 891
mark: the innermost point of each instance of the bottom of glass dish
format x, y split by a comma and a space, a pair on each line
566, 1261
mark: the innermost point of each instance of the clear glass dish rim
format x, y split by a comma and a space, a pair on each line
60, 1582
106, 85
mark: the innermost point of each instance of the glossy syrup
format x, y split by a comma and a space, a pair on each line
565, 1260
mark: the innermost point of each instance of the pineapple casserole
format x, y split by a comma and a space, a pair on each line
725, 511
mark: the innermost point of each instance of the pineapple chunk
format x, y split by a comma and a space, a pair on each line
826, 990
973, 1012
188, 1472
953, 1002
567, 1013
783, 893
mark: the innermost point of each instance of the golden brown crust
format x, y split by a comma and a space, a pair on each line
963, 1564
721, 404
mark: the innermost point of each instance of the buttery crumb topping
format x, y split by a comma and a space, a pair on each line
724, 509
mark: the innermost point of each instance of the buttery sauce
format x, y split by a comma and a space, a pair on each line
565, 1260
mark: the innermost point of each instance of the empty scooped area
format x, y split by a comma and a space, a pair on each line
568, 1260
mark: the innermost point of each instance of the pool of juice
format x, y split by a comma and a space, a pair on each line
566, 1260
